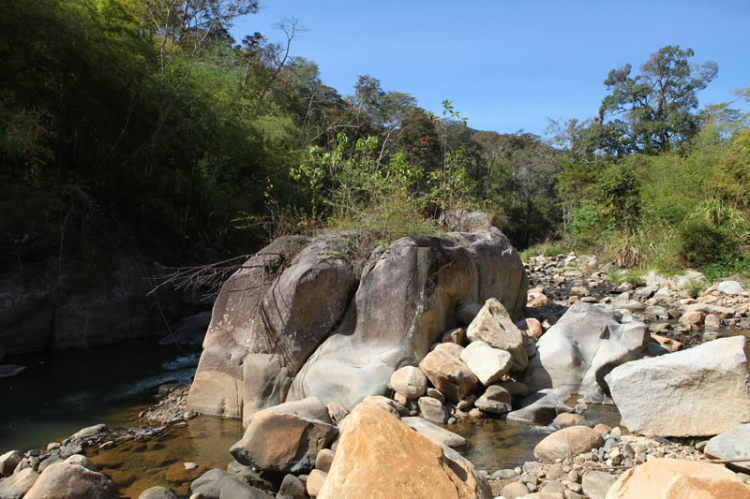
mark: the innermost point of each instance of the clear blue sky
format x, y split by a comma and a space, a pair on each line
508, 65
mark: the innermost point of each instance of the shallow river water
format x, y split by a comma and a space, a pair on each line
62, 392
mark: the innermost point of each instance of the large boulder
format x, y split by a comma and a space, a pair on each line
698, 392
283, 442
495, 327
449, 375
678, 479
583, 347
381, 456
732, 445
284, 302
70, 481
406, 300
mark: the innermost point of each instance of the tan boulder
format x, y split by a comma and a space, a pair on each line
534, 328
315, 482
409, 382
381, 458
678, 479
494, 326
567, 442
448, 374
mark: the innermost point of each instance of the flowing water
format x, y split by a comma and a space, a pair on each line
62, 392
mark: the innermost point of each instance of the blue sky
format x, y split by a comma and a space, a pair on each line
508, 65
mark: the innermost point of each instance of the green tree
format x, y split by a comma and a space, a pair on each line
654, 110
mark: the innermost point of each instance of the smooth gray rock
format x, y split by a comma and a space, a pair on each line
702, 391
405, 301
291, 488
433, 432
91, 431
732, 444
17, 485
82, 461
70, 481
157, 493
583, 347
730, 287
266, 381
232, 488
494, 326
210, 483
262, 310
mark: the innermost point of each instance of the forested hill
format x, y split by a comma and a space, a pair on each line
144, 125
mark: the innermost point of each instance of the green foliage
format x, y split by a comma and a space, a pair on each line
694, 288
702, 243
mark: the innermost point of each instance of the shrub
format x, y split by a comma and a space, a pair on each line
702, 244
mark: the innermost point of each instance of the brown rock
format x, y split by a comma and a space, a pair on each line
567, 419
409, 382
495, 399
534, 328
283, 442
678, 479
456, 336
668, 343
378, 454
448, 374
568, 442
451, 349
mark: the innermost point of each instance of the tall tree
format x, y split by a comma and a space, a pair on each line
654, 110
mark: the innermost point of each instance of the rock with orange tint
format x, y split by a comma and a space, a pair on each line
678, 479
567, 443
379, 457
448, 374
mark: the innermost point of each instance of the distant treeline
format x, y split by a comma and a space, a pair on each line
145, 125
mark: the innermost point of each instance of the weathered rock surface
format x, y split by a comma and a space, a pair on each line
9, 461
283, 442
405, 301
266, 381
433, 410
495, 327
732, 444
289, 315
449, 375
495, 399
538, 408
567, 442
377, 453
583, 347
702, 391
596, 484
434, 433
233, 488
16, 486
90, 431
678, 479
409, 382
488, 364
70, 481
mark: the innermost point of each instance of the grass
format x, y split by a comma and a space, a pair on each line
547, 249
694, 288
633, 277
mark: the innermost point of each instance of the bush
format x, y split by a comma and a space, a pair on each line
703, 244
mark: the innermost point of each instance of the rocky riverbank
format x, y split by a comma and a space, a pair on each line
583, 334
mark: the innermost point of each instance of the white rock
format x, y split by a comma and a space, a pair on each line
698, 392
487, 363
730, 287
